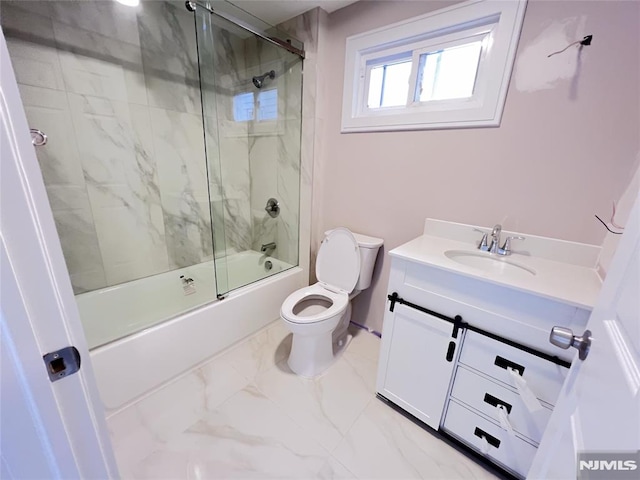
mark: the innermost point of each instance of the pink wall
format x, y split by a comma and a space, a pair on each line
567, 145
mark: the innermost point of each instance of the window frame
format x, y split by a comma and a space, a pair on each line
498, 22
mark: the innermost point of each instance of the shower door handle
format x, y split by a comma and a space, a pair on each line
272, 208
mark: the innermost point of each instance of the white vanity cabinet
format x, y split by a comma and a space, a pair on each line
449, 343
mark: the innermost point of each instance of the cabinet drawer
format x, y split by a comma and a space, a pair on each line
511, 452
491, 357
484, 395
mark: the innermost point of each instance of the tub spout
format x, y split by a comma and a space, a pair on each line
268, 247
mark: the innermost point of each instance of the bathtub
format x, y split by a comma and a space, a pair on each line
115, 312
199, 327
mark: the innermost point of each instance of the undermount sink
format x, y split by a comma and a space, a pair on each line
487, 262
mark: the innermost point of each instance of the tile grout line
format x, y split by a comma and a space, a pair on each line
343, 466
352, 424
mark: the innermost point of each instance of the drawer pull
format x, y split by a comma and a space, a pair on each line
493, 401
450, 351
504, 363
491, 440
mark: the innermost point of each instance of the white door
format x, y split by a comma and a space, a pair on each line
599, 407
47, 429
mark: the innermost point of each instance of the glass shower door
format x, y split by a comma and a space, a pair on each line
205, 42
251, 102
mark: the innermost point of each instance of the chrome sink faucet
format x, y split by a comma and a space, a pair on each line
495, 238
494, 246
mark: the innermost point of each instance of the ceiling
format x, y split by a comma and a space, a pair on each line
274, 12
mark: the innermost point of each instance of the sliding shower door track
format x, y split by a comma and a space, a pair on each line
191, 6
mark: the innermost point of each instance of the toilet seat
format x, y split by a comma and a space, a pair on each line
339, 302
337, 270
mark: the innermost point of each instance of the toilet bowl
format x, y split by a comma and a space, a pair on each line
318, 315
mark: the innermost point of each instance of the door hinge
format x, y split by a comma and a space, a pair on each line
62, 363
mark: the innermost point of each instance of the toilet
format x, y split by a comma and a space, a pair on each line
319, 315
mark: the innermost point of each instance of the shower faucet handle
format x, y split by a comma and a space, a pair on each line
272, 207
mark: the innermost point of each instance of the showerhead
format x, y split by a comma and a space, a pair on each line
258, 81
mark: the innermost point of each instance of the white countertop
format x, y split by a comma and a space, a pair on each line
576, 284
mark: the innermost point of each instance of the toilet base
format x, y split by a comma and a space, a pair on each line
341, 346
310, 355
313, 354
341, 331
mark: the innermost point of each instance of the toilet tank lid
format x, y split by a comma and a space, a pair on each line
364, 241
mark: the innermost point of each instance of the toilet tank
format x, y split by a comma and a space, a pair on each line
368, 247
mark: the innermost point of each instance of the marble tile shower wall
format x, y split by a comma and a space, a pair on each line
308, 28
118, 95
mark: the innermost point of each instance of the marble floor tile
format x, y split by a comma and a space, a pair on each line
325, 406
363, 344
131, 440
362, 355
251, 417
221, 380
155, 420
384, 444
261, 351
334, 470
248, 436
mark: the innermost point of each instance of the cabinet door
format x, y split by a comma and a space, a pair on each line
416, 362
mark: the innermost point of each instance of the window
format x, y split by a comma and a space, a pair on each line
268, 105
389, 84
447, 69
244, 106
448, 73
